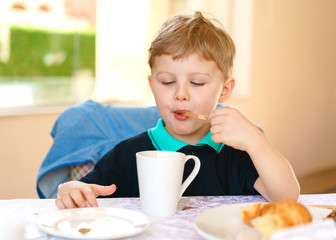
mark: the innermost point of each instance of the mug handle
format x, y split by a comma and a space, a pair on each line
193, 174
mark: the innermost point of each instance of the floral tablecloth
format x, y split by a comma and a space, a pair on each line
178, 226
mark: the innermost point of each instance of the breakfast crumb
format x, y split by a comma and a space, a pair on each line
84, 230
188, 207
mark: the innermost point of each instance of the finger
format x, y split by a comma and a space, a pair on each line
104, 190
77, 197
67, 200
217, 138
59, 203
217, 112
218, 128
219, 120
90, 196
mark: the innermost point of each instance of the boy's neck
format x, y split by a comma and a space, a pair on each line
194, 137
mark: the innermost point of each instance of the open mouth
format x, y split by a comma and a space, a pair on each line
179, 114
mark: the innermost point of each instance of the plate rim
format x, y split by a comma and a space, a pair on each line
67, 236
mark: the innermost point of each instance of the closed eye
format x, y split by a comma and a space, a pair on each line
198, 83
168, 83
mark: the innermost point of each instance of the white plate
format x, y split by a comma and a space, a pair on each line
97, 223
224, 222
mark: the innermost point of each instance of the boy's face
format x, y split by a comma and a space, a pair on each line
190, 84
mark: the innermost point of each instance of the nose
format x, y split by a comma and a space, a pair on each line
182, 94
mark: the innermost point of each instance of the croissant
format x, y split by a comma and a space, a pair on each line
332, 215
268, 217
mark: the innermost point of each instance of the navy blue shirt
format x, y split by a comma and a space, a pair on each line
224, 170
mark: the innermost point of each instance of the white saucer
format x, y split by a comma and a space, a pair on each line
93, 223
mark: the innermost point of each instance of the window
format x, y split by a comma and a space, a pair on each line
47, 51
56, 52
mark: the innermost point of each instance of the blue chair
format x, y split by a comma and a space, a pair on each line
83, 134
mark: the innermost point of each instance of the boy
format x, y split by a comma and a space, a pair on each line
191, 60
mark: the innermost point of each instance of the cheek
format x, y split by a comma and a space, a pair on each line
217, 93
155, 92
161, 94
209, 96
161, 99
208, 101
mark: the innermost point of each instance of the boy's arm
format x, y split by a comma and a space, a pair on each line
276, 177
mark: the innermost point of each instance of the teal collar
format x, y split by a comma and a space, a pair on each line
162, 140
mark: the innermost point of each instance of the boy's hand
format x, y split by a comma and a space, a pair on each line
230, 127
77, 194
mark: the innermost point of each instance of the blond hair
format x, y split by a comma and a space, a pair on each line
182, 35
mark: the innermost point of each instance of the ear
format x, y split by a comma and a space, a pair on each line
227, 90
150, 81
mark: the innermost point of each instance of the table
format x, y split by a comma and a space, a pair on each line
179, 226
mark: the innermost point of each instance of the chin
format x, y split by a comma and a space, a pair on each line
184, 131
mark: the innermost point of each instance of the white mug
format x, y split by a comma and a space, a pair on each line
160, 176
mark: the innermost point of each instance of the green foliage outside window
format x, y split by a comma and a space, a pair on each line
49, 53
